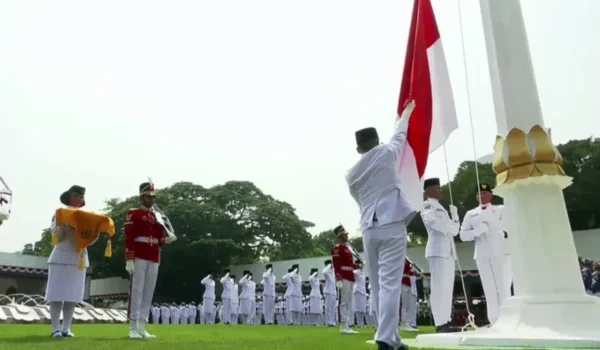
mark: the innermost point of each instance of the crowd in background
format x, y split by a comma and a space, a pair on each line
590, 273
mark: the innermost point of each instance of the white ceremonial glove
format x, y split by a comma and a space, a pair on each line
130, 267
454, 213
483, 228
339, 284
364, 264
402, 124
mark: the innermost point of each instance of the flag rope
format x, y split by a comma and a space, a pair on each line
471, 316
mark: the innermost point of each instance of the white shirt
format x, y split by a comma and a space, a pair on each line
360, 286
269, 284
440, 230
329, 280
227, 287
374, 183
315, 286
486, 228
209, 288
246, 285
235, 298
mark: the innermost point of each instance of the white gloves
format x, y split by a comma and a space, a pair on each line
364, 264
130, 267
339, 284
454, 213
483, 228
402, 124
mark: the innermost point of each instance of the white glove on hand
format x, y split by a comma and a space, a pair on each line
364, 264
454, 213
483, 228
339, 284
402, 123
130, 266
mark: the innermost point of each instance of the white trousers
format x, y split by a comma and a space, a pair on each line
269, 309
412, 316
491, 272
385, 248
408, 302
330, 310
346, 309
142, 289
226, 312
442, 288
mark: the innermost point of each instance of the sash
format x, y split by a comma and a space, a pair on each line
88, 227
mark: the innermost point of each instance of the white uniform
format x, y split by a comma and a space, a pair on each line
235, 303
441, 255
414, 301
360, 298
208, 300
330, 295
485, 226
269, 297
66, 282
252, 313
374, 183
184, 314
296, 297
279, 312
245, 301
287, 300
315, 303
259, 311
226, 298
193, 310
165, 314
174, 314
155, 314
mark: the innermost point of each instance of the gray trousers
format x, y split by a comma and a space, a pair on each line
142, 289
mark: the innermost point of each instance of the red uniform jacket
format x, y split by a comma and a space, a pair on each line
343, 262
143, 235
407, 273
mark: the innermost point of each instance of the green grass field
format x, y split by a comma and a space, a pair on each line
103, 336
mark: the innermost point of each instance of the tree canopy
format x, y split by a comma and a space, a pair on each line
581, 161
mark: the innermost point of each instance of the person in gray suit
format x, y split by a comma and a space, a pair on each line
66, 281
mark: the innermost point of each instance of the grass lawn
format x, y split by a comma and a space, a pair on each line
104, 336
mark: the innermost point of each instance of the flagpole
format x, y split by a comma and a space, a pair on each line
550, 308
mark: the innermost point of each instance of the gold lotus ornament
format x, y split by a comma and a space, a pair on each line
521, 156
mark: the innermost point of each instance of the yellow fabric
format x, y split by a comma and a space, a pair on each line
81, 262
88, 227
54, 238
108, 250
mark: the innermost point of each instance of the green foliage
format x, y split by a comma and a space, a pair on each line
581, 161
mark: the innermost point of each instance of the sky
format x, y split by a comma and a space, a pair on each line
105, 94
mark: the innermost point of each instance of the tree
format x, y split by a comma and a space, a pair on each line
28, 249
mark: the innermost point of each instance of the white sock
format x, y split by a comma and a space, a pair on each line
68, 311
55, 309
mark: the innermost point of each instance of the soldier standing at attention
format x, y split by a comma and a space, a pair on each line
66, 282
344, 266
144, 237
440, 253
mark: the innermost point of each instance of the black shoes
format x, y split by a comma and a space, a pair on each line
446, 328
383, 346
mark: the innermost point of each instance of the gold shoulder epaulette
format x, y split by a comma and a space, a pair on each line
133, 209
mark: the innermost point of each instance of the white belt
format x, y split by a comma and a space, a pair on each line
346, 268
149, 240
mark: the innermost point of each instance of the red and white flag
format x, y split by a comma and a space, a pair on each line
426, 82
